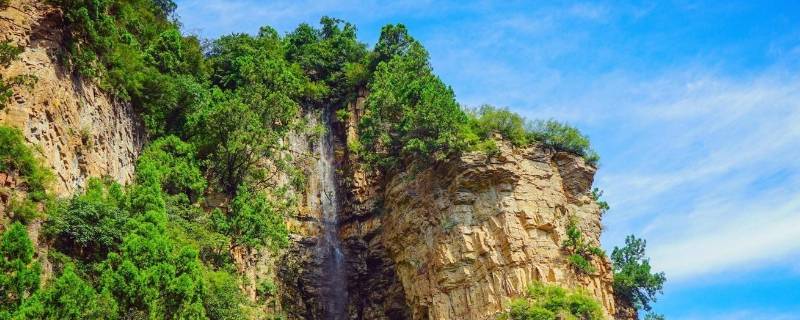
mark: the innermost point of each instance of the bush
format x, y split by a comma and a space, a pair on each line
580, 252
172, 163
563, 137
19, 272
597, 196
222, 296
489, 120
633, 279
69, 297
90, 225
550, 302
17, 158
253, 221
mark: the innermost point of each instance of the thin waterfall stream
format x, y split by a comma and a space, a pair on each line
329, 247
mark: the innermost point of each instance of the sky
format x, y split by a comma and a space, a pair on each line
694, 107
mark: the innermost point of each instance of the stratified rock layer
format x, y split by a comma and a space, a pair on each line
467, 236
80, 131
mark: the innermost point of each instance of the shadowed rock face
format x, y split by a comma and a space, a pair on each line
82, 132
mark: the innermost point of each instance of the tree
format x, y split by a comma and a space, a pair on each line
410, 112
19, 272
550, 302
633, 279
69, 297
581, 251
16, 158
253, 221
90, 225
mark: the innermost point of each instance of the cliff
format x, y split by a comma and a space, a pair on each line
80, 131
453, 240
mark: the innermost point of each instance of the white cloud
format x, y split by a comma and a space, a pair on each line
711, 177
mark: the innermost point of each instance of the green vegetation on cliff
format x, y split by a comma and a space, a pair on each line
551, 302
217, 117
634, 281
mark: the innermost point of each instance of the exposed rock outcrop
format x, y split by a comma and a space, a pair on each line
459, 240
80, 131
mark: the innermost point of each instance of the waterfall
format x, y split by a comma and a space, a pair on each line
329, 248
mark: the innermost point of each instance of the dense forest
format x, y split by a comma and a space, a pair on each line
213, 112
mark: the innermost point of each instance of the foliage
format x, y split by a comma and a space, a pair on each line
597, 196
19, 272
550, 302
222, 297
151, 275
563, 137
173, 163
9, 53
633, 279
253, 221
510, 125
653, 316
92, 224
17, 158
255, 108
332, 55
69, 297
581, 252
409, 111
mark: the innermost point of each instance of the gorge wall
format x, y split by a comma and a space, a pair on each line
80, 131
456, 240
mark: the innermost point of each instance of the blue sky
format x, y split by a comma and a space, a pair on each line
694, 107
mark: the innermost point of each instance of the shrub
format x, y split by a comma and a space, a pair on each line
253, 221
563, 137
222, 297
597, 196
510, 125
172, 163
19, 272
69, 297
633, 279
92, 224
17, 158
580, 252
551, 302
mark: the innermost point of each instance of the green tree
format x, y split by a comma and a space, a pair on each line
92, 224
332, 55
581, 251
173, 164
253, 221
633, 279
69, 297
410, 112
550, 302
19, 271
563, 137
510, 125
16, 158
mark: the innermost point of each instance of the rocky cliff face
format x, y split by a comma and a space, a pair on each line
80, 131
469, 235
456, 240
460, 239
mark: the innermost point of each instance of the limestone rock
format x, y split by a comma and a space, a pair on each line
80, 131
